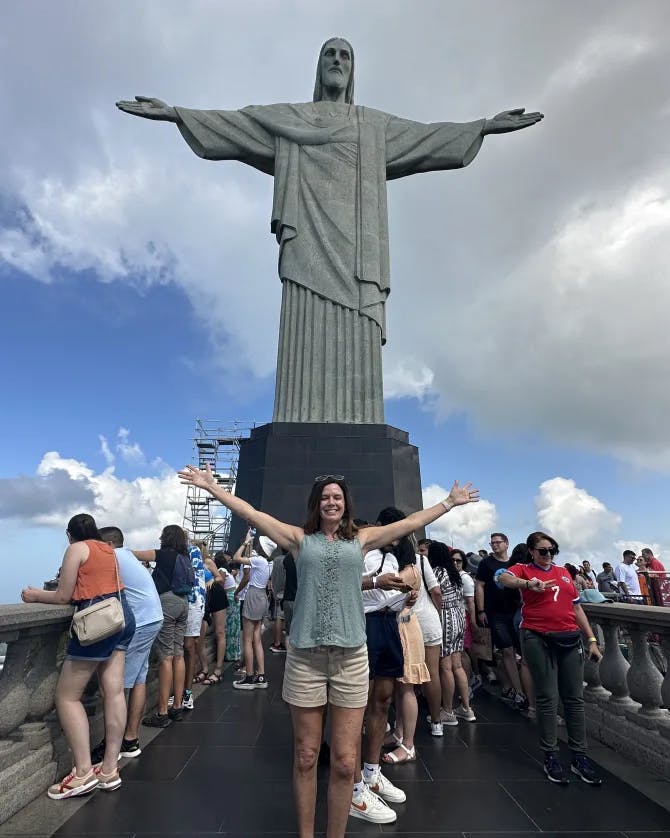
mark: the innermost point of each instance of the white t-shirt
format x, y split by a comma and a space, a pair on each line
468, 584
229, 583
238, 578
376, 599
626, 573
260, 572
426, 613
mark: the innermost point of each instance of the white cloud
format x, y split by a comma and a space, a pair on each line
534, 282
407, 378
577, 520
105, 450
140, 507
130, 452
463, 526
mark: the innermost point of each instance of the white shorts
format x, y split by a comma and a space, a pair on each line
196, 611
431, 626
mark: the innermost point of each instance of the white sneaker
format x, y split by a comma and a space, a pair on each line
436, 729
467, 715
382, 786
369, 807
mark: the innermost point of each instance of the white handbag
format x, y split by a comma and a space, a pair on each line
100, 620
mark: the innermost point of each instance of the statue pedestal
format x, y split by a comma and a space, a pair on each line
279, 461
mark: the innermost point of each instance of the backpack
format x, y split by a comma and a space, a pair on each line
183, 576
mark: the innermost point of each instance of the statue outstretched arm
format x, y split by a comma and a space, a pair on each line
513, 120
149, 108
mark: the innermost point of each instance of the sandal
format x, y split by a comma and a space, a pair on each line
212, 679
392, 741
200, 677
408, 756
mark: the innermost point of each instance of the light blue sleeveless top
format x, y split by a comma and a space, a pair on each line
328, 608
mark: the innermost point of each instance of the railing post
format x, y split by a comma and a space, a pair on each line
614, 668
644, 680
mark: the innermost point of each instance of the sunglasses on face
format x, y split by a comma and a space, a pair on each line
546, 551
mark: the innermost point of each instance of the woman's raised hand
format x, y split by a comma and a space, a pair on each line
200, 477
460, 495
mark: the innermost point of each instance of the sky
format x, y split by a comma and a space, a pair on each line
528, 348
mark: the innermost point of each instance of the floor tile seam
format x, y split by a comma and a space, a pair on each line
516, 802
185, 765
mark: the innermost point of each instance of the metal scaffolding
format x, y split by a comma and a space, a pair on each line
216, 444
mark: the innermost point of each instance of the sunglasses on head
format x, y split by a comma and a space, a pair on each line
546, 551
325, 478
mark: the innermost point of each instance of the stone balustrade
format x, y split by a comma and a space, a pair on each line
627, 700
33, 751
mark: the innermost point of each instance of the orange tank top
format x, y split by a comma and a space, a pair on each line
97, 575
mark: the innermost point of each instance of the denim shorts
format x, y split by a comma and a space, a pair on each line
103, 649
137, 656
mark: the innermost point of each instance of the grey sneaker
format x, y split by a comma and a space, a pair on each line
448, 719
467, 715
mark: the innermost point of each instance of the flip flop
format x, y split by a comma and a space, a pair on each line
392, 759
212, 679
200, 677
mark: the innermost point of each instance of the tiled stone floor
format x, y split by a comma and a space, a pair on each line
226, 769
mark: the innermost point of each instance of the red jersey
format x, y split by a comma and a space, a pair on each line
550, 610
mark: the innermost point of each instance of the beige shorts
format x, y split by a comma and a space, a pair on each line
314, 677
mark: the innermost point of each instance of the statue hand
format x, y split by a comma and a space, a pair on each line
148, 108
513, 120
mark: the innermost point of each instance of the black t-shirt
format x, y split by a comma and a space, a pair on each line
291, 584
497, 601
162, 575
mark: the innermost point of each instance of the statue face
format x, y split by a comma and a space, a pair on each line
336, 65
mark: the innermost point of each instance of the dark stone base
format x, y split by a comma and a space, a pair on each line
280, 460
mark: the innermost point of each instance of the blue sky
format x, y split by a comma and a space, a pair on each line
528, 349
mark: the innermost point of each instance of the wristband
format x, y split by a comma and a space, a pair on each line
374, 581
591, 640
481, 611
444, 504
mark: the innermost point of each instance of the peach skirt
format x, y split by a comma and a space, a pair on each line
416, 671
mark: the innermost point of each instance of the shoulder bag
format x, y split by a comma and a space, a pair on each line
102, 619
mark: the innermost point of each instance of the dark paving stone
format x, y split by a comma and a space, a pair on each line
482, 764
445, 806
612, 806
148, 807
158, 763
630, 834
579, 834
224, 733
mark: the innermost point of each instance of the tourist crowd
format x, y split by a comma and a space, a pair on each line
372, 624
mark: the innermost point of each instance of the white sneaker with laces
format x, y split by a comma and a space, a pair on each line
467, 715
369, 807
436, 729
383, 787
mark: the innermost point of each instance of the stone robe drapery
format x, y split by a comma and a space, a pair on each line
330, 163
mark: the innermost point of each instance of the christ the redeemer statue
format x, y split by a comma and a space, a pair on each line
330, 160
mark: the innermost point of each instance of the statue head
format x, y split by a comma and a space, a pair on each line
335, 68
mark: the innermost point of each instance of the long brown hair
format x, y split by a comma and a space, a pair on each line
346, 529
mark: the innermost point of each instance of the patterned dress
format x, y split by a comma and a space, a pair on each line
453, 614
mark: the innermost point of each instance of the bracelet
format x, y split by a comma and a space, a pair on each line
591, 640
527, 584
374, 581
481, 611
444, 504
